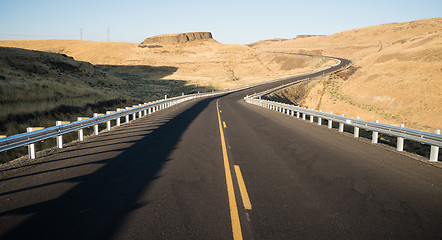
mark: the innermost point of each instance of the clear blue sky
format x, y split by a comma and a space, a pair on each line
230, 21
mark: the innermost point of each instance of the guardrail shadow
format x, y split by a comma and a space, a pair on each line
97, 206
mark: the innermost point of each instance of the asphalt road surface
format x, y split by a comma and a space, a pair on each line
219, 168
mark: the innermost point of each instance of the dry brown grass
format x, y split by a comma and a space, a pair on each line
398, 77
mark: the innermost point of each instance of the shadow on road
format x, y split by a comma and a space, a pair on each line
99, 203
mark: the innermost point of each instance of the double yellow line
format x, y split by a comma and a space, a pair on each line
236, 225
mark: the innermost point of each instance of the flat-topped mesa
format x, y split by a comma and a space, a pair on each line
176, 38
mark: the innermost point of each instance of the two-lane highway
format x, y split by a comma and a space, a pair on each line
220, 168
307, 182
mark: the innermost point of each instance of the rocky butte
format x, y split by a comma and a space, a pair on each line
175, 38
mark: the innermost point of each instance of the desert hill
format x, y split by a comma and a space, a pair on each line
396, 76
203, 62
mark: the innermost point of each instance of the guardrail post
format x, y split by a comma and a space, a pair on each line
31, 147
375, 136
118, 118
320, 119
434, 153
293, 113
60, 137
341, 125
108, 123
127, 116
330, 122
356, 130
145, 110
139, 113
80, 131
96, 125
297, 114
149, 111
134, 115
303, 115
312, 117
400, 142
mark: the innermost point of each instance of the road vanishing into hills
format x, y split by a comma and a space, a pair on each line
219, 168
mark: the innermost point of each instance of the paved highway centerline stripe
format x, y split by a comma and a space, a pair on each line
224, 123
236, 225
243, 189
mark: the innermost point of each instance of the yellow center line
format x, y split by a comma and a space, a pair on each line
224, 123
242, 189
236, 225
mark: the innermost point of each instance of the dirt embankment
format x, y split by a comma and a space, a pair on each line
396, 76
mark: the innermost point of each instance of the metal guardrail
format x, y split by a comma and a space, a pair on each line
26, 139
432, 139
